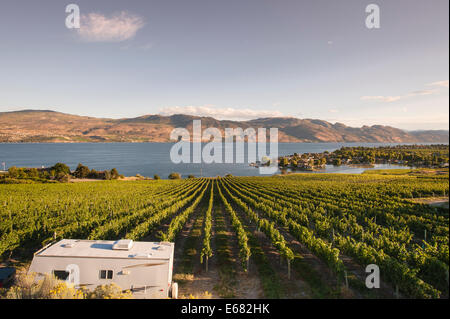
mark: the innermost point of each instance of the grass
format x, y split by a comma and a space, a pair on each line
190, 246
269, 279
318, 288
227, 272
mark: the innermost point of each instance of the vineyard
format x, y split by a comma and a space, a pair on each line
295, 236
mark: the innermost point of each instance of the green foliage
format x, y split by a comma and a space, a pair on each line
369, 218
81, 171
174, 176
61, 168
114, 174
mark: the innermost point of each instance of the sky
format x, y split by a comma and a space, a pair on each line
230, 59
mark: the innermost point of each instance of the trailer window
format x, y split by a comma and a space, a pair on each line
61, 274
106, 274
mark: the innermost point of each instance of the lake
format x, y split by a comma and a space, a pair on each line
148, 159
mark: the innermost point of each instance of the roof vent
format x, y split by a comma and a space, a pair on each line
165, 243
123, 244
68, 245
140, 255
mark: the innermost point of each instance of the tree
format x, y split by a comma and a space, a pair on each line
94, 174
114, 173
174, 176
62, 177
107, 175
13, 172
33, 173
156, 176
61, 168
81, 171
284, 162
191, 176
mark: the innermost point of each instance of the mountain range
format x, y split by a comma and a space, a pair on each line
53, 127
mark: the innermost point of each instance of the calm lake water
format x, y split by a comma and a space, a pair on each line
148, 159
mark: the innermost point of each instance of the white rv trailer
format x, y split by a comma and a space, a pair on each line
145, 268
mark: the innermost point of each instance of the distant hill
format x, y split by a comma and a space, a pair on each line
51, 126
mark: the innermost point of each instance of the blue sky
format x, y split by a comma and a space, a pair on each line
230, 59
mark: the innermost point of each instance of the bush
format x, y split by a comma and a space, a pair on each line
62, 177
13, 172
61, 168
114, 174
191, 176
81, 171
94, 174
27, 286
174, 176
107, 175
111, 291
156, 176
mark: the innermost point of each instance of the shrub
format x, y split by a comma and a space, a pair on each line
13, 172
27, 286
61, 168
94, 174
114, 174
107, 175
62, 177
111, 291
174, 176
156, 176
81, 171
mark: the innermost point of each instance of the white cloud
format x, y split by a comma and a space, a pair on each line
382, 98
95, 27
439, 83
219, 113
411, 94
422, 92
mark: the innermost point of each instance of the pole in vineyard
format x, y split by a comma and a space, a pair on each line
289, 268
346, 279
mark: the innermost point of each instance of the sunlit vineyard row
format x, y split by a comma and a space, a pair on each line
345, 221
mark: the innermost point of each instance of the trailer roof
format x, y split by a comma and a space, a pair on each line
104, 249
